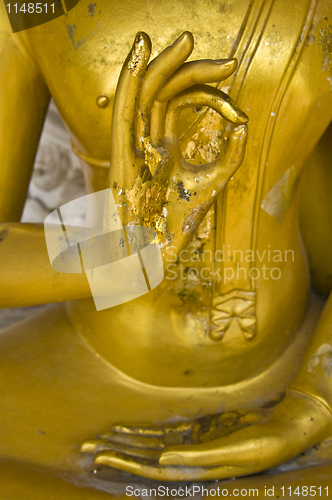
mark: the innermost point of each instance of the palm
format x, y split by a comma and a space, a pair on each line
217, 446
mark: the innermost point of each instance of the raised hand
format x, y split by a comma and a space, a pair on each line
152, 184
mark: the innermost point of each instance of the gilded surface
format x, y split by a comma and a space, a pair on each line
224, 369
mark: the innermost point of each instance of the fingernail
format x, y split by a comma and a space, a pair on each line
139, 54
233, 113
171, 459
186, 35
227, 63
87, 447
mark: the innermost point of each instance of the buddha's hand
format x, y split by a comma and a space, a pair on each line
216, 447
152, 184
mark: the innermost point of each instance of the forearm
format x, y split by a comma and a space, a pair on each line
315, 375
26, 276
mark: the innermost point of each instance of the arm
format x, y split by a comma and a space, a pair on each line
24, 99
26, 276
316, 212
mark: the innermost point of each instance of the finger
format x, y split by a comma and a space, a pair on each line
196, 72
184, 428
135, 440
187, 75
97, 446
125, 103
202, 95
152, 431
247, 450
157, 74
157, 123
227, 163
149, 470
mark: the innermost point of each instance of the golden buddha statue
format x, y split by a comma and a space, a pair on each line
223, 370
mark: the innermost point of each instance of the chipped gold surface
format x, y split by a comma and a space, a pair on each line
139, 55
